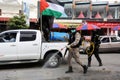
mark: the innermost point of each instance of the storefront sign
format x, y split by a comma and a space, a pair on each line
105, 24
69, 23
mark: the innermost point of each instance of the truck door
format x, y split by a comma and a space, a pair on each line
28, 46
8, 46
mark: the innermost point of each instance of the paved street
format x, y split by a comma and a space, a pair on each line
109, 71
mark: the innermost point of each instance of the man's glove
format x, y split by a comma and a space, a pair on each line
68, 46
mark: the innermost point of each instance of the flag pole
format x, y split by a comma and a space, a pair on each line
40, 19
39, 16
40, 23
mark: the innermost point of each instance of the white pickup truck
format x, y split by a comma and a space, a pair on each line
28, 46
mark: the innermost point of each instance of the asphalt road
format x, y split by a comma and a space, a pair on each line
109, 71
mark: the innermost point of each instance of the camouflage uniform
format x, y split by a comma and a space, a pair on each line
74, 52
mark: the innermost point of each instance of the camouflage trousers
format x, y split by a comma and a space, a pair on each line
74, 53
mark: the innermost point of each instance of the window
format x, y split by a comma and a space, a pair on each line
105, 40
113, 39
8, 37
27, 36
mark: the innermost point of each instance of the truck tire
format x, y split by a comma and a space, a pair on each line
52, 60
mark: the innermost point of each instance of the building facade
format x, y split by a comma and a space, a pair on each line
103, 14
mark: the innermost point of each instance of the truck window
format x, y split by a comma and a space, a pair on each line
27, 36
8, 37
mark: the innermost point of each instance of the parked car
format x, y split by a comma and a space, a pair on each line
108, 44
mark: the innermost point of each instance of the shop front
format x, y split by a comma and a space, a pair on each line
106, 27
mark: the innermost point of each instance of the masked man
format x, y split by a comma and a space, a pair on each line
73, 46
96, 40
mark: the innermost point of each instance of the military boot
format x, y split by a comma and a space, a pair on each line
89, 64
100, 64
85, 69
70, 70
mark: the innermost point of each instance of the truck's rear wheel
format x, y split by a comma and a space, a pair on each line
52, 60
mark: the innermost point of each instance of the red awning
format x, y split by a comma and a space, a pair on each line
7, 19
4, 18
33, 20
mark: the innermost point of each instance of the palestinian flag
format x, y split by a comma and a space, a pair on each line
54, 9
43, 5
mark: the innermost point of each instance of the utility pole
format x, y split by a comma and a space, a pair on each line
0, 12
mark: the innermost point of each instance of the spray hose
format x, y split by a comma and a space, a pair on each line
62, 48
89, 50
